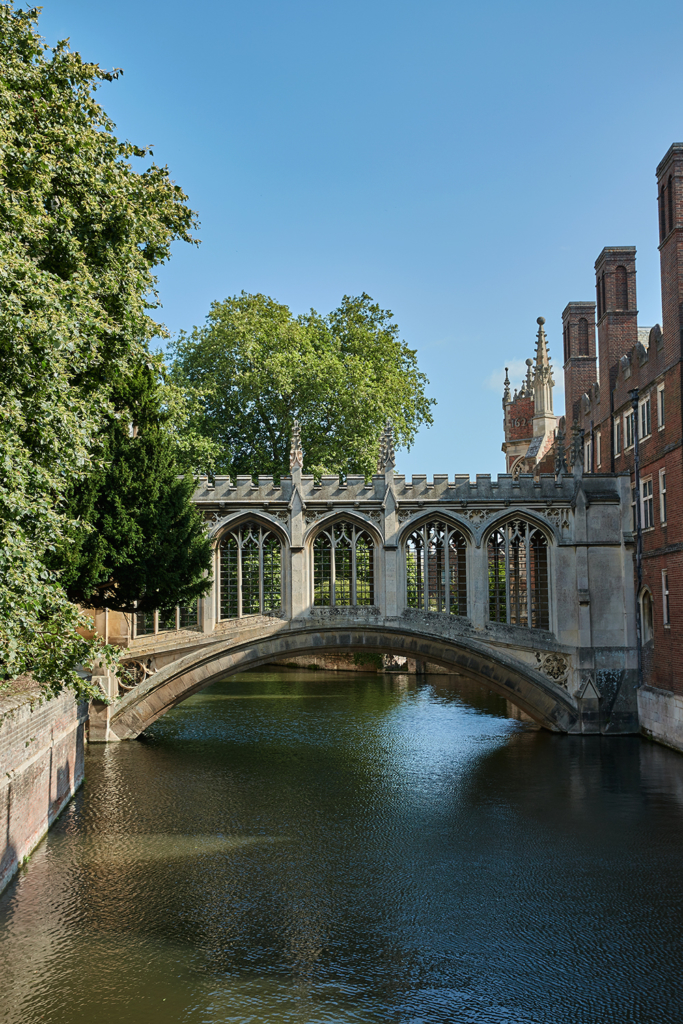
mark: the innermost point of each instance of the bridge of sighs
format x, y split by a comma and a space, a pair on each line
525, 584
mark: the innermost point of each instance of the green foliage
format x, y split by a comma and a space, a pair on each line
146, 546
375, 661
80, 234
254, 368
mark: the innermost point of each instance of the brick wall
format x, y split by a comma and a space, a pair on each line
41, 766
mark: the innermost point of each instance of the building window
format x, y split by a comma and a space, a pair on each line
587, 456
518, 575
598, 449
565, 339
617, 435
629, 430
662, 212
660, 406
670, 202
647, 505
602, 292
662, 496
645, 419
343, 566
646, 616
250, 573
633, 509
436, 569
181, 617
665, 597
583, 336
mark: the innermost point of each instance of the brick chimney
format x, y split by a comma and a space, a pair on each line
615, 273
670, 196
580, 360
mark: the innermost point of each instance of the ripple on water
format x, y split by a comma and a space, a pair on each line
298, 848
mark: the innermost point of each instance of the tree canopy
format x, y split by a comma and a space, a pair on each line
342, 375
80, 235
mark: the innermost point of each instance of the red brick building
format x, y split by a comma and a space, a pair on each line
641, 363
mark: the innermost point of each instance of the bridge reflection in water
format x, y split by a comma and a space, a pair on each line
524, 584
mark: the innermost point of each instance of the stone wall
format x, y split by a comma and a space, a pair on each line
41, 766
661, 716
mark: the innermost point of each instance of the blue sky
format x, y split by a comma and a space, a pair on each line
463, 163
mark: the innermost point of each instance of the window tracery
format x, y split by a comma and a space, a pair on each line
518, 575
436, 569
250, 572
343, 566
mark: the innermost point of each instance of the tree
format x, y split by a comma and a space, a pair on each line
146, 546
80, 235
342, 375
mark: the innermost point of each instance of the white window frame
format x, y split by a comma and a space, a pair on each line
666, 611
629, 426
661, 409
644, 419
598, 449
618, 436
587, 453
646, 504
662, 496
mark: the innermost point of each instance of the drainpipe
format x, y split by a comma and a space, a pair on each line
639, 532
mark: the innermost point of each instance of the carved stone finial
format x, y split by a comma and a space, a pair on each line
506, 388
386, 448
576, 447
296, 455
560, 454
528, 386
543, 372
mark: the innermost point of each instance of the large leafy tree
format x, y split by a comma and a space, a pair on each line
80, 235
342, 375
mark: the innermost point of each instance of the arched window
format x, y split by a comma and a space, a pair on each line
670, 202
565, 338
646, 616
662, 212
518, 575
602, 294
621, 288
343, 566
583, 336
250, 574
436, 569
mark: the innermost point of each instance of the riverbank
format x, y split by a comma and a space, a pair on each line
41, 766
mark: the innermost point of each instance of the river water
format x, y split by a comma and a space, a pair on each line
328, 847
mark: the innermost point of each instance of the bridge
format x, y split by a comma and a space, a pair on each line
525, 584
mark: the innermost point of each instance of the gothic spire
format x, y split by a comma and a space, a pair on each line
296, 455
543, 369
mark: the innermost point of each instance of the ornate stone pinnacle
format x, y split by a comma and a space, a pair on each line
506, 388
386, 448
543, 369
560, 455
576, 447
528, 385
296, 455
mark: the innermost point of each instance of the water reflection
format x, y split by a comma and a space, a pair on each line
303, 847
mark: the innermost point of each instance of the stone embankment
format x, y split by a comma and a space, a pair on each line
41, 767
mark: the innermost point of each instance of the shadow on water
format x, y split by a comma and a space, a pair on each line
311, 847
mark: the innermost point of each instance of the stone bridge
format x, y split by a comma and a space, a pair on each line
524, 584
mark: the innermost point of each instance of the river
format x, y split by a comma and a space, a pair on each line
330, 847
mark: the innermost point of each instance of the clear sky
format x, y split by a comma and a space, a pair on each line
463, 163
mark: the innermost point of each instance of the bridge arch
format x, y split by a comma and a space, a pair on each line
540, 697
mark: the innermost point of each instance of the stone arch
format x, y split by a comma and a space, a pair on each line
346, 514
528, 689
427, 515
249, 515
647, 618
450, 562
363, 590
520, 570
518, 512
270, 526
